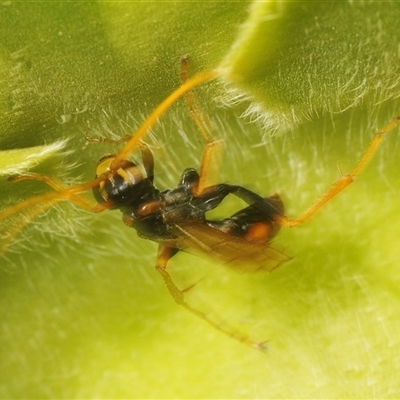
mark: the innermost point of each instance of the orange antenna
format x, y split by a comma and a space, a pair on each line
197, 80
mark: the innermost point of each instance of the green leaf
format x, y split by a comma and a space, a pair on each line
300, 59
83, 312
17, 161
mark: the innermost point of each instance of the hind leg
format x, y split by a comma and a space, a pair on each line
344, 181
165, 253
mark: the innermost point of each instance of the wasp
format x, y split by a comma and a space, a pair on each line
177, 218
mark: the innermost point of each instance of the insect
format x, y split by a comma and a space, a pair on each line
176, 218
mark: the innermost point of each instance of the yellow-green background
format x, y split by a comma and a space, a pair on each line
82, 312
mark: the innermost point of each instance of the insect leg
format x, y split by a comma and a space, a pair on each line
64, 193
200, 118
22, 213
148, 161
124, 139
204, 125
197, 80
164, 254
205, 167
344, 180
56, 185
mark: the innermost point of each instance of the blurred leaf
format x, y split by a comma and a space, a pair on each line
300, 59
17, 161
85, 315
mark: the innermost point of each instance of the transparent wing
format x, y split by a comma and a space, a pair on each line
236, 253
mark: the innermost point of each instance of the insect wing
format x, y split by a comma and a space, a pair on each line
235, 252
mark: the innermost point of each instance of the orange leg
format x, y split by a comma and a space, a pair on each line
204, 125
132, 144
11, 231
61, 193
200, 118
344, 180
164, 255
22, 213
202, 121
